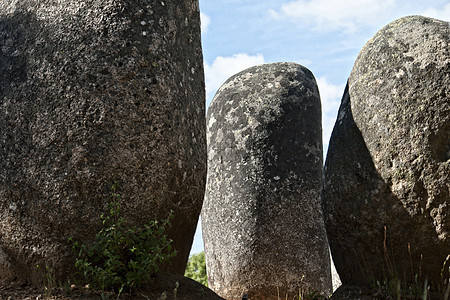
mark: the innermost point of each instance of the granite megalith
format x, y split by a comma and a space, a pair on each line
386, 178
94, 92
262, 223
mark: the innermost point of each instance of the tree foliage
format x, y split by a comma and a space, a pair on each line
196, 268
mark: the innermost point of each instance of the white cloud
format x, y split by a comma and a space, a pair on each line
441, 14
331, 15
205, 20
224, 67
330, 96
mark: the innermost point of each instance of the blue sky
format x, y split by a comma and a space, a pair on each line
323, 35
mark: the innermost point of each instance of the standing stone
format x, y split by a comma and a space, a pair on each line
386, 182
94, 92
262, 222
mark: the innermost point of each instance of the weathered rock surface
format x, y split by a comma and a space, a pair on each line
262, 222
92, 92
386, 180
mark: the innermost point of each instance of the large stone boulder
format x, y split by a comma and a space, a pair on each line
262, 223
94, 92
386, 179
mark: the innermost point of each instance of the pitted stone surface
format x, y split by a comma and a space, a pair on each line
386, 187
262, 222
92, 92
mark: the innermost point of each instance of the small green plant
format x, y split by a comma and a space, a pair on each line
415, 285
175, 290
311, 295
196, 268
123, 256
49, 281
163, 296
304, 294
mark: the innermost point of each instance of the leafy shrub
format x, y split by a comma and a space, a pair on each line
123, 257
196, 268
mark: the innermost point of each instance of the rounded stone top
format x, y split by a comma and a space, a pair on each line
266, 79
258, 95
411, 42
400, 74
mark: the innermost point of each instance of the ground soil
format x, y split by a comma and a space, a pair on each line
162, 284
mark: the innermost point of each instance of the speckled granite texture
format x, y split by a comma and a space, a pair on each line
386, 188
262, 222
92, 92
